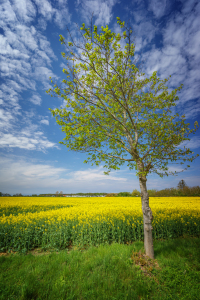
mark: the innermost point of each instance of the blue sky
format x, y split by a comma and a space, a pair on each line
31, 159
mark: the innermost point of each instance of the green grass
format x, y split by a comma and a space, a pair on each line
110, 272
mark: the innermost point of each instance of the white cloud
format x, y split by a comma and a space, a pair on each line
43, 74
146, 30
59, 13
7, 13
35, 99
188, 5
26, 37
102, 10
31, 176
25, 82
194, 143
46, 122
194, 45
175, 34
20, 173
6, 49
46, 47
5, 119
14, 85
170, 50
166, 62
42, 24
45, 9
19, 132
62, 16
26, 56
93, 175
179, 57
138, 15
10, 97
158, 7
11, 66
37, 142
24, 9
191, 108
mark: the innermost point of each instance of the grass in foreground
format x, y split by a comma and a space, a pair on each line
114, 272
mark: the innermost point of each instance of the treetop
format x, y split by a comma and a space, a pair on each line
110, 102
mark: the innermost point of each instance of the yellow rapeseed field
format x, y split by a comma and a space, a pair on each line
29, 222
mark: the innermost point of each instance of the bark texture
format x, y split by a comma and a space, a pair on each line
147, 219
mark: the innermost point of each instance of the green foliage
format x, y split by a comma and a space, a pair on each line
136, 193
181, 184
124, 194
112, 195
113, 104
172, 192
151, 193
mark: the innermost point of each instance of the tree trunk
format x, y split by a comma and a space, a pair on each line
147, 219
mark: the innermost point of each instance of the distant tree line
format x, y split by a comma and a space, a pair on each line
182, 190
8, 195
61, 194
57, 194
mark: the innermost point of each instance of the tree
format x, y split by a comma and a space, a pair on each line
18, 195
57, 193
135, 193
112, 103
61, 193
181, 184
124, 194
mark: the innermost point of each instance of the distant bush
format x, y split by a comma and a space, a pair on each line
124, 194
135, 193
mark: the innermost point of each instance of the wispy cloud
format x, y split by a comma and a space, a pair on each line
24, 175
26, 57
159, 7
45, 9
5, 119
36, 99
46, 122
102, 10
45, 176
36, 142
179, 55
25, 10
194, 143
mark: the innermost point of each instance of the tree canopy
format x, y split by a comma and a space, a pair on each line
181, 184
113, 104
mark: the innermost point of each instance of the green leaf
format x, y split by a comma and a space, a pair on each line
114, 104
